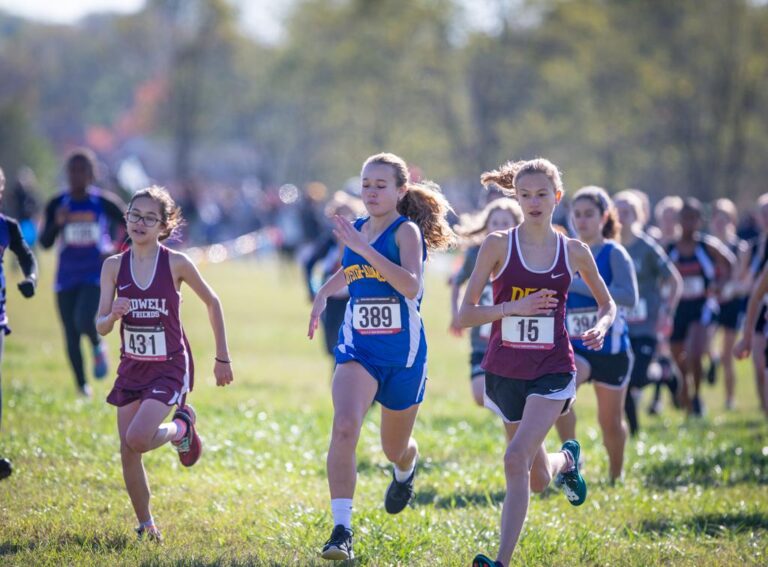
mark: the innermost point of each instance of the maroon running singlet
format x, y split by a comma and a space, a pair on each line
529, 347
155, 359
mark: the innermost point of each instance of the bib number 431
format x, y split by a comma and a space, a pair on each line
528, 332
144, 343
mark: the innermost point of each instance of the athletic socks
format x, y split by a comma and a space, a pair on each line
569, 464
148, 523
402, 476
181, 430
341, 508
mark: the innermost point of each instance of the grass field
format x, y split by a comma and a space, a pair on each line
695, 492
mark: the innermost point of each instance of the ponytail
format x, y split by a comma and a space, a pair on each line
425, 205
510, 173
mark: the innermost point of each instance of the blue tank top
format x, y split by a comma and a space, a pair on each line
581, 312
381, 325
83, 240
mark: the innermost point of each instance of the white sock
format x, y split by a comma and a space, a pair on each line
402, 476
341, 508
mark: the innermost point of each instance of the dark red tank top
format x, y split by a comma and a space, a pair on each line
527, 348
152, 339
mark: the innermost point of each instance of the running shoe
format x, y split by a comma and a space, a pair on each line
481, 560
85, 391
149, 533
712, 371
697, 408
339, 545
571, 482
399, 494
190, 447
6, 468
100, 363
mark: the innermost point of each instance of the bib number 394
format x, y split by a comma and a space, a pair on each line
144, 343
376, 316
536, 333
579, 322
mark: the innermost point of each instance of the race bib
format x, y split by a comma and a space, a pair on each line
144, 343
81, 234
579, 322
536, 333
693, 287
376, 316
638, 313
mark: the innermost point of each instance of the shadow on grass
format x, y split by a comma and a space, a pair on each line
429, 497
723, 467
710, 524
98, 542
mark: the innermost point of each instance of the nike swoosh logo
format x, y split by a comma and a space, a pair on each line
555, 276
122, 287
159, 391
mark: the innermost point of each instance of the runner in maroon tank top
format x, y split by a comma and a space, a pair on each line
140, 288
530, 371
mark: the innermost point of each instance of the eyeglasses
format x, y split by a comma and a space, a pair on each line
134, 217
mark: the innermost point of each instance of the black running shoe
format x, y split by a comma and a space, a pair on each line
712, 371
481, 560
6, 468
339, 545
399, 494
697, 408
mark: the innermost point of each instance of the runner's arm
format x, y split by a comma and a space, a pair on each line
111, 309
582, 261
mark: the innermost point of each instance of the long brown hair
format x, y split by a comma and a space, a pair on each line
600, 198
170, 214
423, 203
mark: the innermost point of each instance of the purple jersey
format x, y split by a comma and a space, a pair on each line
529, 347
153, 344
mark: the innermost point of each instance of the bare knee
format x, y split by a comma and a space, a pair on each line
516, 463
137, 442
395, 452
612, 426
346, 430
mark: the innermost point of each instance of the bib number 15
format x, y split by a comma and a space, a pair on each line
536, 333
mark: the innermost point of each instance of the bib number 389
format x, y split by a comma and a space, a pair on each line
376, 316
536, 333
144, 343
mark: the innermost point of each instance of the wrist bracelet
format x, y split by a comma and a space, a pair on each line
217, 359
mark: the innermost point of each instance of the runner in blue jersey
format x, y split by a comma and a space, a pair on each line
11, 238
83, 219
595, 220
382, 352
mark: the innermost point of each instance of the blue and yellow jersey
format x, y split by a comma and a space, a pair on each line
381, 325
581, 311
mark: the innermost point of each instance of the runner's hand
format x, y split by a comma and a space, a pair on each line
318, 306
121, 306
742, 348
222, 371
539, 303
593, 338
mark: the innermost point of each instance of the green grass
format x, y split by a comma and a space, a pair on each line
695, 492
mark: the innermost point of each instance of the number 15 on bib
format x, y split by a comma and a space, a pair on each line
537, 333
